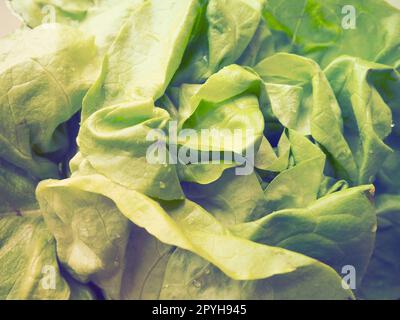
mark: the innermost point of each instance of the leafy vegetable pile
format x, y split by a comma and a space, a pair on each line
323, 101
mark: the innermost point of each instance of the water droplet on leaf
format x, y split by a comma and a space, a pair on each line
196, 283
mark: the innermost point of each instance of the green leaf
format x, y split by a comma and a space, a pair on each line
389, 175
224, 113
119, 110
288, 190
315, 29
338, 229
29, 268
37, 12
268, 159
231, 26
367, 118
145, 263
101, 19
310, 103
387, 83
27, 249
190, 277
91, 237
231, 199
281, 86
41, 86
382, 280
224, 30
17, 189
188, 226
330, 185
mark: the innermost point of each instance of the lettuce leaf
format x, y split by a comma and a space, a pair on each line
298, 20
322, 102
27, 248
187, 225
382, 278
41, 88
